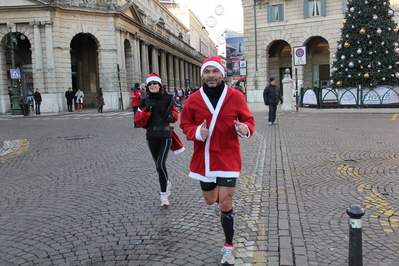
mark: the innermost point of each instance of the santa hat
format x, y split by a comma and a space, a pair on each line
213, 61
153, 77
177, 146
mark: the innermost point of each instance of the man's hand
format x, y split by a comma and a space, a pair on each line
241, 128
204, 131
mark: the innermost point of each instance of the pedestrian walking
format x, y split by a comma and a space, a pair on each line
79, 99
156, 113
214, 118
69, 95
38, 101
142, 90
100, 100
271, 97
135, 96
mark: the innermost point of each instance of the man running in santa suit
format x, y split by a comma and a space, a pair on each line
214, 118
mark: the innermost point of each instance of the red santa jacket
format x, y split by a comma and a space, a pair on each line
219, 155
135, 95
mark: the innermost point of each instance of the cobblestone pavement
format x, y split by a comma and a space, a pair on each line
81, 189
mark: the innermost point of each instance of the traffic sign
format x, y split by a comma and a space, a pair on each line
15, 74
300, 56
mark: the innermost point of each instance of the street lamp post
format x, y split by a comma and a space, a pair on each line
16, 98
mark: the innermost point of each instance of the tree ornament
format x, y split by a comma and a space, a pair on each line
339, 83
382, 43
334, 56
370, 42
351, 64
375, 7
352, 55
375, 17
362, 31
389, 67
352, 9
345, 21
396, 44
346, 69
386, 52
369, 65
397, 74
395, 30
349, 76
343, 57
379, 31
346, 44
389, 29
370, 53
390, 12
361, 67
379, 63
359, 51
383, 79
397, 50
366, 75
353, 26
360, 61
339, 46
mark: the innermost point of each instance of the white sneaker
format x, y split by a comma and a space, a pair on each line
275, 123
228, 256
270, 123
216, 208
164, 199
168, 186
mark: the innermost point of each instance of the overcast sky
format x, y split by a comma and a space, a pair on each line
232, 18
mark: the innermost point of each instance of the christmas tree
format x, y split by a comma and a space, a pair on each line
367, 53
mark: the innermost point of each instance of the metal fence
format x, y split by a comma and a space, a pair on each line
384, 96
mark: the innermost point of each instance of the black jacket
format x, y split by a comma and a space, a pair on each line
157, 125
272, 95
69, 95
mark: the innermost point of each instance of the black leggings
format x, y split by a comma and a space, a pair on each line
159, 150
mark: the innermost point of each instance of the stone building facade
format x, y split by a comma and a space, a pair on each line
273, 28
89, 44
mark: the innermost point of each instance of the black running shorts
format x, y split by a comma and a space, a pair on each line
220, 181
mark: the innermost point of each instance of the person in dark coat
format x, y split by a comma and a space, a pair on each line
272, 96
100, 100
69, 95
38, 100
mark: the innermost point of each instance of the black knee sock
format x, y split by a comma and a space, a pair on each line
228, 224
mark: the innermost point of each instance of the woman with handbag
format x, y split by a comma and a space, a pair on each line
155, 114
79, 99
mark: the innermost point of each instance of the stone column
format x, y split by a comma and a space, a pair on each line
51, 86
38, 56
154, 60
182, 73
288, 100
137, 60
163, 70
176, 66
145, 68
171, 75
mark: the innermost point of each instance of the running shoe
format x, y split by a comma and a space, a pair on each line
275, 123
216, 208
270, 123
164, 200
228, 256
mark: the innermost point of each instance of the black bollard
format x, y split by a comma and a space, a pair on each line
355, 235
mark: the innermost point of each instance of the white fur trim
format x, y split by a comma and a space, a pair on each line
213, 63
153, 78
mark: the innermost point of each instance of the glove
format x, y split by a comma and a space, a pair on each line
169, 118
150, 106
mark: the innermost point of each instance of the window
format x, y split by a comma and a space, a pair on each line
275, 12
313, 8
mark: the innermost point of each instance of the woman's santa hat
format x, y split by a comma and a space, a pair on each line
153, 77
213, 61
